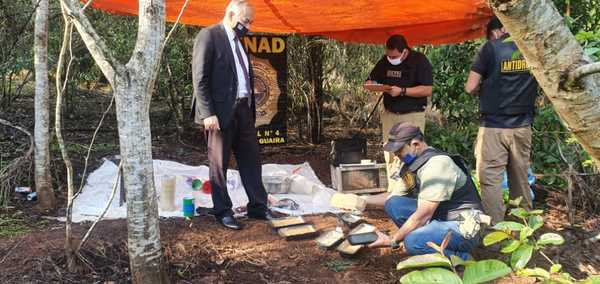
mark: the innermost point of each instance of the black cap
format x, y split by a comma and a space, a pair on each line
493, 24
400, 134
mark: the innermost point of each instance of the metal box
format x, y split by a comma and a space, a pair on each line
359, 178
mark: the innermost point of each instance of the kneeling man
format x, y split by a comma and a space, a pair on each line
436, 196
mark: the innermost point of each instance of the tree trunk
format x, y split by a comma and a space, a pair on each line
43, 181
133, 92
133, 85
553, 54
145, 254
315, 101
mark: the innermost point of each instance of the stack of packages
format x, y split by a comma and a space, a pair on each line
351, 229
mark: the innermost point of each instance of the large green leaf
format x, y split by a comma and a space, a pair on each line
508, 226
525, 233
534, 272
511, 246
484, 271
519, 212
431, 276
535, 221
550, 239
426, 260
521, 256
495, 237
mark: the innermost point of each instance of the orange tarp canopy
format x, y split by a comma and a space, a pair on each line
421, 21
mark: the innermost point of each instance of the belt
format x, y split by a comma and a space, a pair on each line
243, 100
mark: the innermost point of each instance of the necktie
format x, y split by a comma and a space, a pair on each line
237, 43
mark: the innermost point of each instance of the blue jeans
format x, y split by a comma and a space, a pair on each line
399, 208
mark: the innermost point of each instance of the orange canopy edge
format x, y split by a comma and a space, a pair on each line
420, 21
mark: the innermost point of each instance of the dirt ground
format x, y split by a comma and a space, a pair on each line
200, 251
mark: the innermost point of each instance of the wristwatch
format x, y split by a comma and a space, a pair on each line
394, 244
403, 92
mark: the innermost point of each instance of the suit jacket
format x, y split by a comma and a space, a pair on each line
214, 77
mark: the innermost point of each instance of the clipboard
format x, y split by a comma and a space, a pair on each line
378, 87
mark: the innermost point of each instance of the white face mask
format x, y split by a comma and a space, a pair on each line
396, 61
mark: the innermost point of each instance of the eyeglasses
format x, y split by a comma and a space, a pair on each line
247, 21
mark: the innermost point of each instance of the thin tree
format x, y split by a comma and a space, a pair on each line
43, 181
315, 102
567, 75
133, 84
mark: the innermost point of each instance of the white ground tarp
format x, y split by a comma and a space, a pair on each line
312, 198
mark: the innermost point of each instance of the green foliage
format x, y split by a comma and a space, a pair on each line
431, 276
426, 260
590, 40
299, 87
16, 47
511, 246
484, 271
535, 272
345, 68
508, 226
550, 239
475, 271
516, 238
523, 247
521, 256
495, 237
12, 227
451, 64
549, 138
16, 224
459, 110
437, 266
535, 221
580, 14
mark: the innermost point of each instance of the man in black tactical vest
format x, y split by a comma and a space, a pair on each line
507, 93
435, 196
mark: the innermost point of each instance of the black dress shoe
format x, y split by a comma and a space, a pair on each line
205, 211
267, 215
229, 222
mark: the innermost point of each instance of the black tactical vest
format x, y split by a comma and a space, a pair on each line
509, 88
463, 198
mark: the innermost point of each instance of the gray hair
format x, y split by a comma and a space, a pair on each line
238, 6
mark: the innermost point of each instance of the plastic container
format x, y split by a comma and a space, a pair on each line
276, 184
188, 207
301, 185
167, 193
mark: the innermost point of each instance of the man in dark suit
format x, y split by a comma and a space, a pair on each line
224, 104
